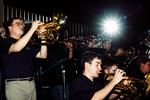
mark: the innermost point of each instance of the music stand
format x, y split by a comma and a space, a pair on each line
63, 74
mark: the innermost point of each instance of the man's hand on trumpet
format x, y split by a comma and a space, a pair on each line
69, 45
40, 29
119, 76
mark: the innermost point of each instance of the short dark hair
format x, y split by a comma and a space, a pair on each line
9, 23
105, 40
143, 59
86, 42
88, 56
108, 65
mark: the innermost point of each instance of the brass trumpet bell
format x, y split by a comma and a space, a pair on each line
59, 19
52, 30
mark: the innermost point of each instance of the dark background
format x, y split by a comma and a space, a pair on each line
92, 12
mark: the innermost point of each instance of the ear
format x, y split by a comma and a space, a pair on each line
141, 65
9, 27
86, 64
105, 71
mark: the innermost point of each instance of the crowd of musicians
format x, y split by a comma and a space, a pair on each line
73, 69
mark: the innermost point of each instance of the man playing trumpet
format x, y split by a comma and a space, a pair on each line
85, 87
17, 59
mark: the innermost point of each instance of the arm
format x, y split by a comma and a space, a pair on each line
43, 51
114, 95
119, 52
101, 94
70, 54
69, 45
20, 44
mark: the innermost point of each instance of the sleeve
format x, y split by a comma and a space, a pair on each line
34, 51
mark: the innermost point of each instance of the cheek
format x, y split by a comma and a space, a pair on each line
19, 31
112, 71
14, 30
147, 68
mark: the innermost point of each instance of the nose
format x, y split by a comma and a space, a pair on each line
99, 68
21, 26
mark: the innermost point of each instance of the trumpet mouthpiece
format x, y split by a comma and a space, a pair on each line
100, 72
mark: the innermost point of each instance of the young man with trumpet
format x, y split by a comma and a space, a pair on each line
17, 59
85, 87
106, 45
109, 69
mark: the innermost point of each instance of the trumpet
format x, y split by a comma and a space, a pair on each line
131, 87
128, 54
52, 30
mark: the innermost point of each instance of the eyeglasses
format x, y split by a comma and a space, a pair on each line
18, 23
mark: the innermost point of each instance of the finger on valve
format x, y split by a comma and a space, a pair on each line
119, 76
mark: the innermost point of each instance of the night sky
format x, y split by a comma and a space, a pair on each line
92, 12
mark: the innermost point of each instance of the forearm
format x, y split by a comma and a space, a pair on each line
114, 95
70, 54
43, 51
101, 94
20, 44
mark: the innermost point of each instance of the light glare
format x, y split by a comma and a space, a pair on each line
110, 26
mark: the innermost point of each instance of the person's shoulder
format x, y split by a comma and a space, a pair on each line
2, 40
78, 80
81, 80
79, 84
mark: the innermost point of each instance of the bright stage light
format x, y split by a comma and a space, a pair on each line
110, 26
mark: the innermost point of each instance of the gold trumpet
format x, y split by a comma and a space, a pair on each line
131, 87
128, 54
51, 34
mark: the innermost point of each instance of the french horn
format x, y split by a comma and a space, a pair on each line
52, 30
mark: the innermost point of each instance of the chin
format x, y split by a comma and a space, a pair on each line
97, 76
21, 33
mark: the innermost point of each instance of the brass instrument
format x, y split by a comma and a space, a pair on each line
129, 54
147, 79
131, 87
52, 30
